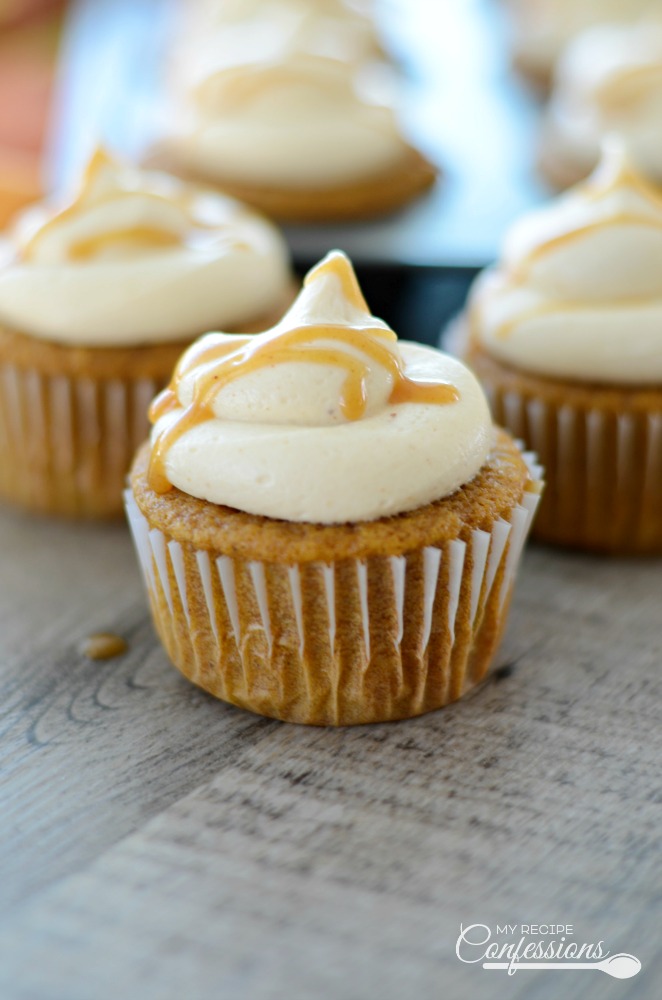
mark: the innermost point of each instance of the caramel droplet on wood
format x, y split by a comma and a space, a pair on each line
103, 646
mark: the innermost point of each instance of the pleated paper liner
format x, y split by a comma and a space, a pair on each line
66, 442
72, 418
603, 467
354, 641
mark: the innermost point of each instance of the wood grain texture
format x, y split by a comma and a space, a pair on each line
156, 844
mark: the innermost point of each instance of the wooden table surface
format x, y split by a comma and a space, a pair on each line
158, 844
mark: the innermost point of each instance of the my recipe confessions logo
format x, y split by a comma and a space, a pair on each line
511, 947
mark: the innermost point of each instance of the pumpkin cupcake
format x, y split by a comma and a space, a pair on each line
565, 334
609, 80
543, 28
97, 301
285, 115
328, 522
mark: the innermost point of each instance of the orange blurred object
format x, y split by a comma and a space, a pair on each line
29, 36
16, 11
26, 81
20, 182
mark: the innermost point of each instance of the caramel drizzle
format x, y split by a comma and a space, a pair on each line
542, 311
242, 88
218, 365
608, 179
522, 267
629, 85
613, 174
145, 235
98, 161
84, 249
537, 312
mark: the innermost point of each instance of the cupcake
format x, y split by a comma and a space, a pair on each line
98, 298
283, 115
609, 80
566, 335
543, 28
328, 523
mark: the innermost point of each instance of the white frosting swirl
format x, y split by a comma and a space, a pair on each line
278, 441
225, 13
239, 31
578, 292
544, 27
139, 257
286, 107
609, 80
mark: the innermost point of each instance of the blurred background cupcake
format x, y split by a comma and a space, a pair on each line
543, 28
608, 80
98, 296
565, 335
286, 106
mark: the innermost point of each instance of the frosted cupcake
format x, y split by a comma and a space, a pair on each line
328, 523
543, 28
566, 335
299, 129
608, 81
98, 298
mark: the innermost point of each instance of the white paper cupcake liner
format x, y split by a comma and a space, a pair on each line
66, 443
463, 589
603, 470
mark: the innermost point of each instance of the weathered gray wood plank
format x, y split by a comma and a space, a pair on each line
89, 750
156, 844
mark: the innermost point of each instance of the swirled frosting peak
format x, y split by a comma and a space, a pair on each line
278, 111
242, 31
578, 292
138, 256
544, 27
114, 215
610, 80
327, 417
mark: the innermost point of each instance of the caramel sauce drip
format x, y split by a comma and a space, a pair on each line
103, 646
143, 235
537, 312
629, 86
218, 365
523, 266
615, 172
242, 89
85, 249
609, 178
